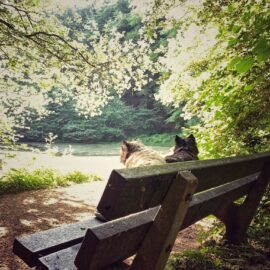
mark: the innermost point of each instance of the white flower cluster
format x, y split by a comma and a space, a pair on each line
191, 46
120, 65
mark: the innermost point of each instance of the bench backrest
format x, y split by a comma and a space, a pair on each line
131, 190
141, 190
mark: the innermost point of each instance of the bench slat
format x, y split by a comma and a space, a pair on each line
131, 228
136, 189
30, 247
115, 234
208, 202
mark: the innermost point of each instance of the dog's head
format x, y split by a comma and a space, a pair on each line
184, 149
188, 143
127, 148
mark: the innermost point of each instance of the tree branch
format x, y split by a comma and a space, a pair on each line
9, 25
61, 39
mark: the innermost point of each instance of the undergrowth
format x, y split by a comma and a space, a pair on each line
215, 254
18, 180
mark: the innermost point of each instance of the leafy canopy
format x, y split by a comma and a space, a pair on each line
37, 53
218, 67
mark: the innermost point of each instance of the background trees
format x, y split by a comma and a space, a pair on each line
209, 60
88, 66
135, 113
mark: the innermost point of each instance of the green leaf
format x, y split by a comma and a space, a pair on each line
236, 28
233, 62
249, 87
246, 17
262, 50
232, 42
245, 64
218, 114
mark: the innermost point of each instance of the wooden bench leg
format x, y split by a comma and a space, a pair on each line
237, 218
158, 242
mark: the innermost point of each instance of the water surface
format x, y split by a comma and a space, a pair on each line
100, 149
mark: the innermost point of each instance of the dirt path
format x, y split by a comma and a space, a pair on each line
33, 211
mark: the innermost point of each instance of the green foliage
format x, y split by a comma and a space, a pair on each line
19, 180
134, 114
193, 260
117, 122
215, 256
221, 74
260, 227
164, 139
78, 177
85, 55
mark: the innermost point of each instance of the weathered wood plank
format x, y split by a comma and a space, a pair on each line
65, 261
123, 197
166, 225
31, 247
202, 205
104, 245
61, 260
237, 218
209, 202
135, 189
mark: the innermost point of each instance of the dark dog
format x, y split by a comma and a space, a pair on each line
184, 150
136, 154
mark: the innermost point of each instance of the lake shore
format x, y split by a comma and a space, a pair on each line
97, 165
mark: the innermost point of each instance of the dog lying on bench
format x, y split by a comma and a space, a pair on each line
136, 154
185, 149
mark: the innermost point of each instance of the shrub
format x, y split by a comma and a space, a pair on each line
18, 180
165, 139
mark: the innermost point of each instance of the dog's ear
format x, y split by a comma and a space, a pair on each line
126, 146
179, 141
191, 138
124, 151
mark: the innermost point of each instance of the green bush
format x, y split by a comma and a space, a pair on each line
18, 180
78, 177
165, 139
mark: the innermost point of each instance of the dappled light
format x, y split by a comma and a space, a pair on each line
33, 211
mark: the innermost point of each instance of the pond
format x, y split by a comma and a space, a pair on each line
98, 159
101, 149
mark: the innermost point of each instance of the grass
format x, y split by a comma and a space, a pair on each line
193, 260
19, 180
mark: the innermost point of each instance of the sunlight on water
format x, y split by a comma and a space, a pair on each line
97, 159
78, 149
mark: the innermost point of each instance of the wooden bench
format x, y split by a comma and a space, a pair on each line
142, 210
